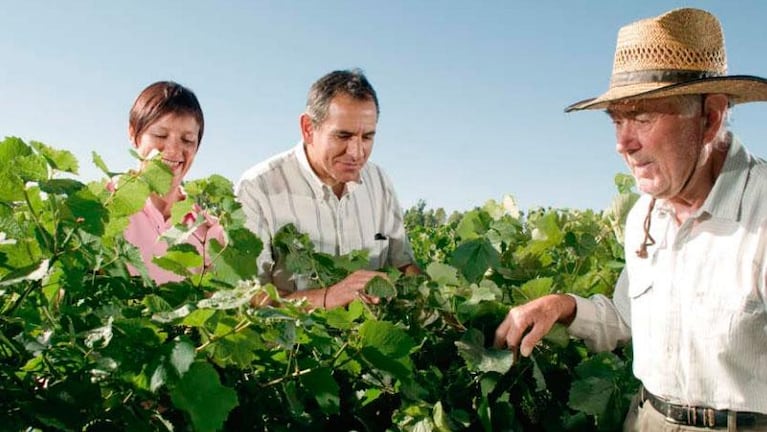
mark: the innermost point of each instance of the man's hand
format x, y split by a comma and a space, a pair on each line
350, 288
526, 325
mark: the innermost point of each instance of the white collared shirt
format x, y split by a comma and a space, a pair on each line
698, 304
284, 189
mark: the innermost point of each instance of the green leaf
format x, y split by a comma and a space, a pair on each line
60, 186
380, 287
237, 260
231, 298
11, 186
157, 175
479, 359
85, 210
155, 303
31, 168
624, 182
180, 259
532, 289
443, 274
198, 317
440, 418
558, 336
128, 198
61, 160
545, 234
387, 347
591, 395
473, 225
200, 394
99, 162
237, 349
386, 338
325, 389
342, 318
474, 258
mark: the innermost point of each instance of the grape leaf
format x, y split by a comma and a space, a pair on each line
200, 394
324, 388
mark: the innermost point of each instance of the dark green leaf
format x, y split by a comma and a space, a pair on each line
474, 258
323, 387
203, 398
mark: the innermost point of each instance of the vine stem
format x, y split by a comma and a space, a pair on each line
301, 372
242, 325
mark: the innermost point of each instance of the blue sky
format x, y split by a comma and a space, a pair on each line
471, 93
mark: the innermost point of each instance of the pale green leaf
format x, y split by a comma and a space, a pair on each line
182, 356
480, 359
61, 160
380, 287
443, 274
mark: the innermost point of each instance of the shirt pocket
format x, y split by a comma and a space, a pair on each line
378, 254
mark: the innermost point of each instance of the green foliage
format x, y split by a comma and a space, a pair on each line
86, 346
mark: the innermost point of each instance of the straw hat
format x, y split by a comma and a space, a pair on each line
679, 52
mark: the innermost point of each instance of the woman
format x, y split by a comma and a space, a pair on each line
167, 118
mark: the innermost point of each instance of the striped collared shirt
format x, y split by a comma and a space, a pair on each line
697, 304
284, 189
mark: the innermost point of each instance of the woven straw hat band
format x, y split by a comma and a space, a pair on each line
679, 46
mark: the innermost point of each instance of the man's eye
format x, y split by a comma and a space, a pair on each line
643, 118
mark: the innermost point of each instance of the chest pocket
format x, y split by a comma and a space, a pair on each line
379, 252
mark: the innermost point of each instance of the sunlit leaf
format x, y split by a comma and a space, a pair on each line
61, 160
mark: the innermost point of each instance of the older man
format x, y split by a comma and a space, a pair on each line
326, 187
692, 295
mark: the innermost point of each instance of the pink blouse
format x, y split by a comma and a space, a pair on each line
144, 230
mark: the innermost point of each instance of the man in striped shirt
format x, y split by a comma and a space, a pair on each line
326, 187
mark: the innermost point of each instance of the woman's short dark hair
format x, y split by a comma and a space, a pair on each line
159, 99
349, 82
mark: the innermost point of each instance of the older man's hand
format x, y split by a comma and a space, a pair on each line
526, 325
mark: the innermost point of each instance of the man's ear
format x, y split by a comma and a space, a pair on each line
714, 114
307, 128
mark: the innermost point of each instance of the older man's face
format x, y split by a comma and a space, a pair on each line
661, 141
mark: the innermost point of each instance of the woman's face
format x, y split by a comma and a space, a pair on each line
175, 137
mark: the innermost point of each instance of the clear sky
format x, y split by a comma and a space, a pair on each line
471, 92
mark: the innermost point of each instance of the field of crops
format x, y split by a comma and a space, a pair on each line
84, 346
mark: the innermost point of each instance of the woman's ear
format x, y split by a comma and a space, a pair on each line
132, 136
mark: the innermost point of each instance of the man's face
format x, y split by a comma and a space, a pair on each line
338, 147
660, 140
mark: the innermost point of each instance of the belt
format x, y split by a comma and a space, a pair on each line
698, 416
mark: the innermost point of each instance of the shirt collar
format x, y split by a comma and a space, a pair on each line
314, 181
724, 200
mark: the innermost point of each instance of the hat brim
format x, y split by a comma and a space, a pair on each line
740, 88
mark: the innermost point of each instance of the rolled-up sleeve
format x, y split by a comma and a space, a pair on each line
602, 323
